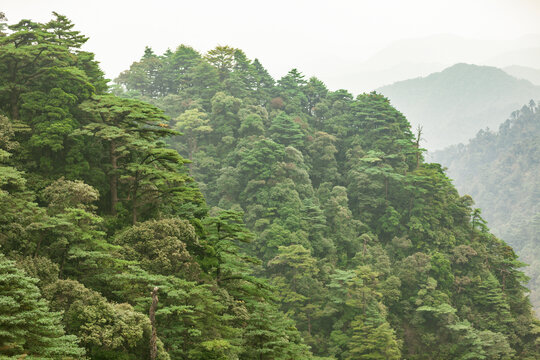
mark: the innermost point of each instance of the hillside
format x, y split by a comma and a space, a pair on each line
452, 105
342, 206
523, 72
500, 170
414, 57
201, 210
528, 57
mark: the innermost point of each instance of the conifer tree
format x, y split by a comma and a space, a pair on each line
27, 326
373, 338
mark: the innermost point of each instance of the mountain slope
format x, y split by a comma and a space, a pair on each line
414, 57
454, 104
523, 72
371, 250
501, 171
529, 57
323, 235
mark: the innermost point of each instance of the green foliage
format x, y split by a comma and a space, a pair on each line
44, 77
498, 169
286, 131
350, 222
161, 246
139, 165
27, 326
327, 235
373, 338
102, 327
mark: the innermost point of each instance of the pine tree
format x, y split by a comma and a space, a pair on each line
139, 165
27, 327
285, 130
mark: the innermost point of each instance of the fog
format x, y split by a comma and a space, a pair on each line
357, 45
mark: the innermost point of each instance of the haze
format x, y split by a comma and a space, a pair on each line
358, 45
198, 209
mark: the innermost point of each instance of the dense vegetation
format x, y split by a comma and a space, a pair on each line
454, 104
322, 232
501, 171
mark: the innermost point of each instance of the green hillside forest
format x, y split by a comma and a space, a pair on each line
501, 171
454, 104
200, 209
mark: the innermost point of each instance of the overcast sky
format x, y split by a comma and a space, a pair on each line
321, 38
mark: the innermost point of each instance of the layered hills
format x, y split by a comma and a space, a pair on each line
500, 170
454, 104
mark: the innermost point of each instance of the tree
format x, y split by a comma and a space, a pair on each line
315, 92
373, 338
19, 213
322, 152
490, 295
335, 204
27, 326
272, 335
195, 320
223, 58
290, 88
30, 52
193, 124
120, 125
70, 233
44, 77
225, 233
129, 132
157, 180
224, 119
294, 274
107, 330
286, 130
162, 246
262, 83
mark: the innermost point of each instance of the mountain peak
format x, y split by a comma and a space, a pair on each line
453, 104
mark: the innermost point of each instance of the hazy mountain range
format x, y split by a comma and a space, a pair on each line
454, 104
500, 170
411, 58
523, 72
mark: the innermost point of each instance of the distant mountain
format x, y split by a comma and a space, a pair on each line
411, 58
529, 57
366, 79
452, 105
443, 48
523, 72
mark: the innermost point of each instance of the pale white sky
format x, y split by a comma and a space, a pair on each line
321, 38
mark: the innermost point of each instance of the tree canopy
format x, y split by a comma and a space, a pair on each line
199, 209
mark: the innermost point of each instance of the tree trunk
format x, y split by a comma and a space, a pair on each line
192, 149
153, 338
14, 99
40, 239
364, 250
134, 207
113, 178
418, 139
14, 105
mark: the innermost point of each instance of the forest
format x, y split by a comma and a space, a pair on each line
501, 171
200, 209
